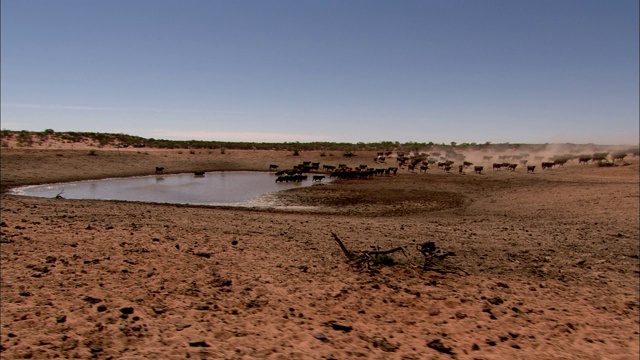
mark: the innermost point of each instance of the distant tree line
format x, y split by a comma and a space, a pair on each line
29, 138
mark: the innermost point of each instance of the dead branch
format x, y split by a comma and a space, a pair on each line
346, 252
59, 196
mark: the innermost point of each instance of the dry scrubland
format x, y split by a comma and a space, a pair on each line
551, 258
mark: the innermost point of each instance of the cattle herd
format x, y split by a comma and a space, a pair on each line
445, 162
435, 160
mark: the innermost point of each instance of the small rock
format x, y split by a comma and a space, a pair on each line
199, 344
495, 300
581, 262
502, 285
339, 327
439, 346
385, 345
159, 309
234, 242
91, 300
102, 308
475, 347
127, 310
321, 337
61, 319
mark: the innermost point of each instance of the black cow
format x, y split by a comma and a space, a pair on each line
478, 169
531, 168
318, 178
273, 167
159, 170
547, 165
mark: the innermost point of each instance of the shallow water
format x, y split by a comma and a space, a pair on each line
214, 188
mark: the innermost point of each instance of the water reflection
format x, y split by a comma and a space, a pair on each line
216, 188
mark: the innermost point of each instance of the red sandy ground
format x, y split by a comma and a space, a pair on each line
551, 258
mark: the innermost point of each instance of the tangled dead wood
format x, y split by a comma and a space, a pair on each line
433, 257
365, 259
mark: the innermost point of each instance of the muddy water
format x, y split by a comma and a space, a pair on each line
213, 188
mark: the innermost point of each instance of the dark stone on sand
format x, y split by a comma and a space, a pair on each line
321, 337
339, 327
159, 309
495, 300
127, 310
440, 347
91, 300
198, 344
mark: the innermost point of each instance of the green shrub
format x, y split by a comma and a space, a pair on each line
384, 259
24, 139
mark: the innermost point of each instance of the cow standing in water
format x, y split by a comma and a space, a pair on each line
159, 170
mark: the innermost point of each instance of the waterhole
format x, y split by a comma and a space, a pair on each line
230, 188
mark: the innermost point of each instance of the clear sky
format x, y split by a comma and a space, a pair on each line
514, 71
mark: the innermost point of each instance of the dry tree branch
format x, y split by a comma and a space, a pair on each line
364, 258
432, 256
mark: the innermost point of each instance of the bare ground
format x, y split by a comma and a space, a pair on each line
551, 258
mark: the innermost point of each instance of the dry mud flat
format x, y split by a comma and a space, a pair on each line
552, 263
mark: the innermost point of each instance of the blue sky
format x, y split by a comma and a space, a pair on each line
357, 71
